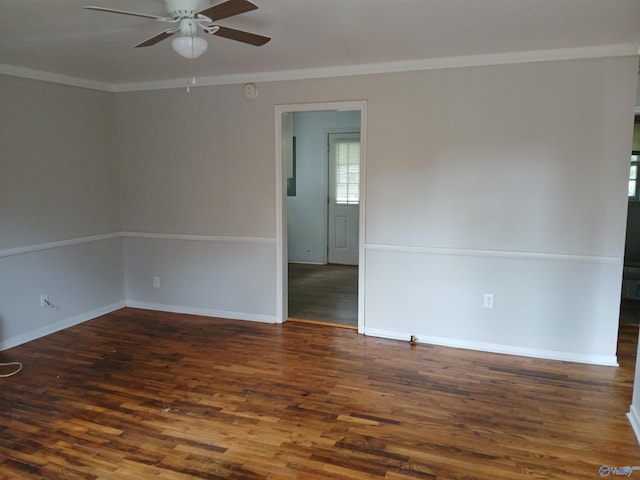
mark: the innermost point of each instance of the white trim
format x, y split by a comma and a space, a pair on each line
634, 420
362, 226
282, 274
60, 325
507, 254
56, 78
199, 238
606, 360
62, 243
107, 236
206, 312
603, 51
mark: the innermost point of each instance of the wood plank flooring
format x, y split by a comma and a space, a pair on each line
145, 395
630, 312
326, 293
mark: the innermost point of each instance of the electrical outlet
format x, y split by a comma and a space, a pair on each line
156, 282
44, 300
487, 301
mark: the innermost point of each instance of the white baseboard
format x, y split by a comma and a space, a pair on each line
252, 317
83, 317
609, 361
634, 419
633, 415
60, 325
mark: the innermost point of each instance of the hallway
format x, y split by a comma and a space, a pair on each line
325, 293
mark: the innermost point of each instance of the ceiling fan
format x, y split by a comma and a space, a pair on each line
188, 15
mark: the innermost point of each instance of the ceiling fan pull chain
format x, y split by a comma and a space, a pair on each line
192, 82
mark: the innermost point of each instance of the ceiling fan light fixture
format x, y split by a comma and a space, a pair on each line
192, 15
189, 46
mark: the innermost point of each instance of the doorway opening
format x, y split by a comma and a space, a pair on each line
320, 164
630, 298
326, 294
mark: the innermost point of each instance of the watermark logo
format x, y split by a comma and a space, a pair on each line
626, 471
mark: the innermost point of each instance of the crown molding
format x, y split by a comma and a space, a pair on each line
603, 51
50, 77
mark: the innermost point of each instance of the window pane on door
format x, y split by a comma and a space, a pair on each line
347, 172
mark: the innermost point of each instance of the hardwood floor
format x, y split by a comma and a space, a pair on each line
327, 293
145, 395
630, 312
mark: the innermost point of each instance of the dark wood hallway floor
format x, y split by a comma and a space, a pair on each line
327, 293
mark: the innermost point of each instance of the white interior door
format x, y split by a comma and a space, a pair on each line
344, 198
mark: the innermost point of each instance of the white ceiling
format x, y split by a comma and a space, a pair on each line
61, 37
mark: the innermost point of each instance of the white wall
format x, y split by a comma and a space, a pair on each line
307, 211
198, 191
59, 209
508, 180
503, 179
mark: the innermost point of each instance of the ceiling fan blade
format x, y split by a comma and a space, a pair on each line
238, 35
124, 12
157, 38
228, 9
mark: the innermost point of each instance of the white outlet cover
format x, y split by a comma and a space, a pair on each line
488, 300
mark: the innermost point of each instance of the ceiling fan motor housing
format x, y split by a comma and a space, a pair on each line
179, 9
188, 26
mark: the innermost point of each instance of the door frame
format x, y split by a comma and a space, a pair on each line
282, 281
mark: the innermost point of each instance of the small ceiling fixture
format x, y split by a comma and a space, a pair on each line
189, 44
191, 14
